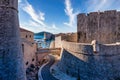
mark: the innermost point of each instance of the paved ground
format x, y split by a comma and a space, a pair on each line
45, 72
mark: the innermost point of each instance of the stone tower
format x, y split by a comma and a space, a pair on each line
11, 57
101, 26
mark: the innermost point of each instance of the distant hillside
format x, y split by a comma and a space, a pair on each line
40, 35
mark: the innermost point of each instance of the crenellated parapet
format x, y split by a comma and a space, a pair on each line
101, 26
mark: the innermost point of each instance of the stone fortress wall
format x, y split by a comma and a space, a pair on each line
101, 26
99, 60
58, 42
71, 37
81, 60
11, 57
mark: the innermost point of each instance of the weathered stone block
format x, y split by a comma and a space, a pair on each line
100, 26
11, 57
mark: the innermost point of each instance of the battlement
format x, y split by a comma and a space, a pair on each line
94, 13
82, 14
101, 26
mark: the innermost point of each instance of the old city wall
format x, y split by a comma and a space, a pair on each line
58, 42
11, 56
80, 60
40, 57
101, 26
70, 37
67, 37
41, 53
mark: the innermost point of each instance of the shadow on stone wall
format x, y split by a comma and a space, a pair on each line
87, 67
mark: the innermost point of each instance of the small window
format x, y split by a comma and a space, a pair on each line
26, 36
26, 63
33, 59
30, 36
23, 48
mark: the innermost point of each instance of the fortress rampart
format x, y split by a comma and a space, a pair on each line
81, 60
101, 26
11, 56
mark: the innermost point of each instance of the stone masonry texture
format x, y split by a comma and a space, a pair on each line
11, 57
79, 60
101, 26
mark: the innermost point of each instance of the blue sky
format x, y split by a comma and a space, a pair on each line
58, 16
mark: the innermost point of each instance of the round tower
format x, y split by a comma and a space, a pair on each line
11, 56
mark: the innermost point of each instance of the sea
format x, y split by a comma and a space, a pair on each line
41, 42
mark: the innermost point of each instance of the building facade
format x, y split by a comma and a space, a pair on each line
29, 47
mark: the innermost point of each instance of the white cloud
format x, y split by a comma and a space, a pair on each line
33, 26
38, 28
69, 12
19, 1
37, 21
28, 8
42, 16
95, 5
103, 2
54, 27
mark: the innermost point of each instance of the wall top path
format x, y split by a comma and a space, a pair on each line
88, 49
